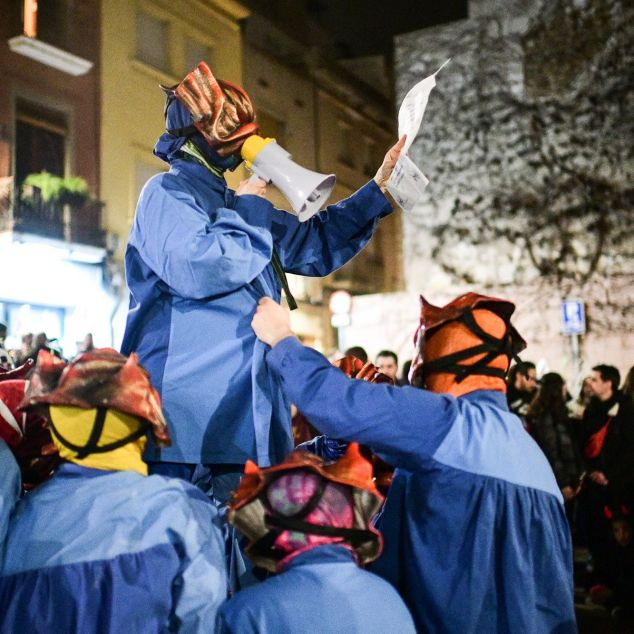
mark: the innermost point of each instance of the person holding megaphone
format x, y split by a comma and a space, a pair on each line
200, 256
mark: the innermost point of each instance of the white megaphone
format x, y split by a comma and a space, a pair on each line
306, 191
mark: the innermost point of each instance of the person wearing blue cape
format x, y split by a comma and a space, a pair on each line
99, 546
198, 259
475, 531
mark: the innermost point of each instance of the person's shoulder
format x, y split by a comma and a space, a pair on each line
175, 488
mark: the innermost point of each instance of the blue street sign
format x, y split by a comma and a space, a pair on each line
574, 318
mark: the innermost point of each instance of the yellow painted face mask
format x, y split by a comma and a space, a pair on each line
99, 438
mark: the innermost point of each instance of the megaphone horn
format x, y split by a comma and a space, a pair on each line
307, 191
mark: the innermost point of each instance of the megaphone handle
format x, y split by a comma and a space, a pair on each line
255, 177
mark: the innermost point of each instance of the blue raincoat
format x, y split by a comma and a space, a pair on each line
197, 262
10, 488
476, 538
100, 551
321, 590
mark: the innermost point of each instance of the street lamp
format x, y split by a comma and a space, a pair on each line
340, 303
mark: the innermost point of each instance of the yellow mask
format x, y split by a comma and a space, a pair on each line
75, 425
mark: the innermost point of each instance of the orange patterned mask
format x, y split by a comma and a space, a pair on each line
222, 111
466, 345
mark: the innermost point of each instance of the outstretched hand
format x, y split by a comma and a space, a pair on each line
271, 322
385, 171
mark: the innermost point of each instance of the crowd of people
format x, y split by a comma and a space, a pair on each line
30, 346
589, 443
159, 488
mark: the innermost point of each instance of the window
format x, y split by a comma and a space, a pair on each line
54, 18
195, 52
152, 41
23, 318
344, 155
40, 141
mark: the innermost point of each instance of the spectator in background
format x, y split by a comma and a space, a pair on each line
26, 349
41, 343
358, 352
616, 459
548, 421
596, 422
5, 359
578, 406
387, 363
521, 387
613, 577
404, 378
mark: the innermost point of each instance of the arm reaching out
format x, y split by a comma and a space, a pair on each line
271, 322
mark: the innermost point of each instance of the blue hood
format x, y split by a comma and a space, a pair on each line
168, 146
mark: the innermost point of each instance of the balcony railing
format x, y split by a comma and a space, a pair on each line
79, 222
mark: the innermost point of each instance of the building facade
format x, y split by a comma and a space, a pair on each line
332, 123
146, 43
53, 246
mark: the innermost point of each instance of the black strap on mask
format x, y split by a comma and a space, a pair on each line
91, 445
279, 523
491, 347
187, 131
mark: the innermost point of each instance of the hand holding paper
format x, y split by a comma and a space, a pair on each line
407, 183
387, 167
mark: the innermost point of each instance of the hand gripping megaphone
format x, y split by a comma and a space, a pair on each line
307, 191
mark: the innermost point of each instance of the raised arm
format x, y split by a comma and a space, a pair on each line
334, 236
402, 425
197, 252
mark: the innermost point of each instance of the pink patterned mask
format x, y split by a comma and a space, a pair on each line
291, 493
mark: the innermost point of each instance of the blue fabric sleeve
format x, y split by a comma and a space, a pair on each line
201, 253
10, 486
204, 579
401, 424
324, 447
330, 238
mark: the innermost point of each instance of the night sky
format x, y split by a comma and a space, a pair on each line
366, 27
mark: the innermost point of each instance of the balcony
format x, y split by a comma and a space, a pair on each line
75, 225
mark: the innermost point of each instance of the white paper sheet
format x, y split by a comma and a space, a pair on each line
407, 183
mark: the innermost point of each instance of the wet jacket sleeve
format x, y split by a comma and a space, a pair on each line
200, 252
203, 578
330, 238
401, 424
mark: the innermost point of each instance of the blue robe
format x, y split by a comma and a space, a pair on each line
10, 488
197, 262
321, 590
476, 537
100, 551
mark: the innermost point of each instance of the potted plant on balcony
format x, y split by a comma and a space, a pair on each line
41, 186
72, 190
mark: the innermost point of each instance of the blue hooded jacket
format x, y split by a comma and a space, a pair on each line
198, 261
10, 487
100, 551
476, 537
321, 590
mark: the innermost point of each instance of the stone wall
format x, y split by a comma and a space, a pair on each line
527, 142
